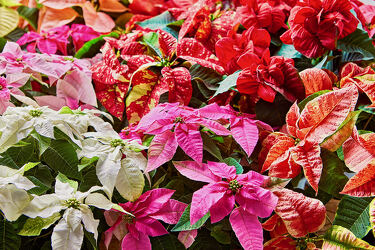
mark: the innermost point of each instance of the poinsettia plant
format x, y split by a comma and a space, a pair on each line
187, 124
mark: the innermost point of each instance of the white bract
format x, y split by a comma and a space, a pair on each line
18, 122
13, 197
68, 233
112, 169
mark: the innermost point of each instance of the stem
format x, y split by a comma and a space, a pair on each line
368, 121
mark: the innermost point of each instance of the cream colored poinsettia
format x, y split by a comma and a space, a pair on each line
120, 162
68, 233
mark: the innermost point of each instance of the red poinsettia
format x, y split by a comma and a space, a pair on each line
262, 14
265, 76
230, 49
365, 14
316, 25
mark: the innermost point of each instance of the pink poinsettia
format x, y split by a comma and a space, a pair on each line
224, 189
134, 231
57, 39
4, 95
243, 127
174, 126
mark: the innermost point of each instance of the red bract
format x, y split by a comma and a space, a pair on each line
363, 78
175, 126
320, 118
134, 231
315, 26
365, 14
230, 49
111, 81
225, 188
363, 183
265, 76
315, 80
262, 14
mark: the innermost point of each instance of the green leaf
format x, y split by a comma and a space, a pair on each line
8, 19
303, 103
85, 162
62, 157
151, 40
92, 47
3, 41
19, 154
209, 77
273, 113
15, 34
34, 226
43, 142
233, 162
353, 214
338, 237
357, 42
220, 235
333, 178
184, 223
90, 238
228, 83
210, 146
9, 240
288, 51
166, 242
160, 22
61, 177
30, 14
366, 109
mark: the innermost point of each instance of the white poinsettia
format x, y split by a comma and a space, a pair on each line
120, 162
68, 233
13, 197
18, 122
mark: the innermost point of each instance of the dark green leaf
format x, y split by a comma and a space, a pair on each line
166, 242
3, 41
30, 14
288, 51
184, 223
210, 146
333, 178
273, 113
62, 157
43, 142
92, 47
357, 42
220, 235
353, 214
15, 35
9, 240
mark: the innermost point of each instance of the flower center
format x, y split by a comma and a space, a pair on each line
128, 219
178, 120
297, 141
117, 142
35, 113
1, 87
72, 202
234, 185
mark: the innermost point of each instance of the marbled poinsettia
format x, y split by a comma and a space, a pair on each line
224, 189
284, 154
265, 76
315, 80
133, 230
231, 48
207, 27
315, 26
174, 126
